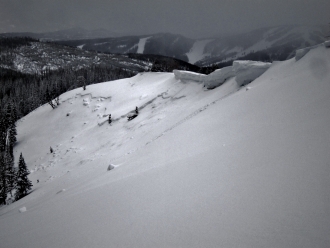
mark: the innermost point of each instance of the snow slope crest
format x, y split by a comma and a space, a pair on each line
243, 71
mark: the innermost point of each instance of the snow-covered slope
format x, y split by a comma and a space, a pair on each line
227, 167
196, 52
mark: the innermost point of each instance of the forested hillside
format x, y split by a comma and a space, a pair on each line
33, 73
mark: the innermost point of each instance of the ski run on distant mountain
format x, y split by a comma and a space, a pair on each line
266, 44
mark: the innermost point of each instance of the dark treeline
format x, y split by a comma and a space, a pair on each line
14, 42
22, 93
27, 92
13, 180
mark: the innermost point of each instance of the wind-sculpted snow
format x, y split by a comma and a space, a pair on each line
189, 76
302, 52
244, 72
247, 71
218, 77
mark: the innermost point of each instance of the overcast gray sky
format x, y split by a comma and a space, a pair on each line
193, 18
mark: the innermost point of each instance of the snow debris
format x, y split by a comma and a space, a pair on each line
143, 96
62, 190
22, 210
246, 71
85, 102
97, 107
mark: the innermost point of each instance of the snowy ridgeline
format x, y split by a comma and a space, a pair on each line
244, 71
302, 52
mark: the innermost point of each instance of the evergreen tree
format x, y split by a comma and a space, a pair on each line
14, 116
23, 183
12, 138
3, 134
8, 117
10, 173
8, 130
3, 181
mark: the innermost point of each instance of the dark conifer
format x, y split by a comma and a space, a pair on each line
3, 134
8, 117
3, 181
23, 183
11, 179
12, 138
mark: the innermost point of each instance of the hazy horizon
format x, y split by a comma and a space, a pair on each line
193, 19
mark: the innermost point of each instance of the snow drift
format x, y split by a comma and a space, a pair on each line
247, 71
218, 168
218, 77
244, 71
189, 76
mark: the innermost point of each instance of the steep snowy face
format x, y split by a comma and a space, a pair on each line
228, 167
79, 130
247, 71
243, 71
189, 76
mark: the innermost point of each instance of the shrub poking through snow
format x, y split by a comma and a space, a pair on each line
131, 116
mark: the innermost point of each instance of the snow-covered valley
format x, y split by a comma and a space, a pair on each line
228, 167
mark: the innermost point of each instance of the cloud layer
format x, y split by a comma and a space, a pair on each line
193, 18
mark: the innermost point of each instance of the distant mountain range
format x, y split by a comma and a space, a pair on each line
265, 44
67, 34
32, 56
